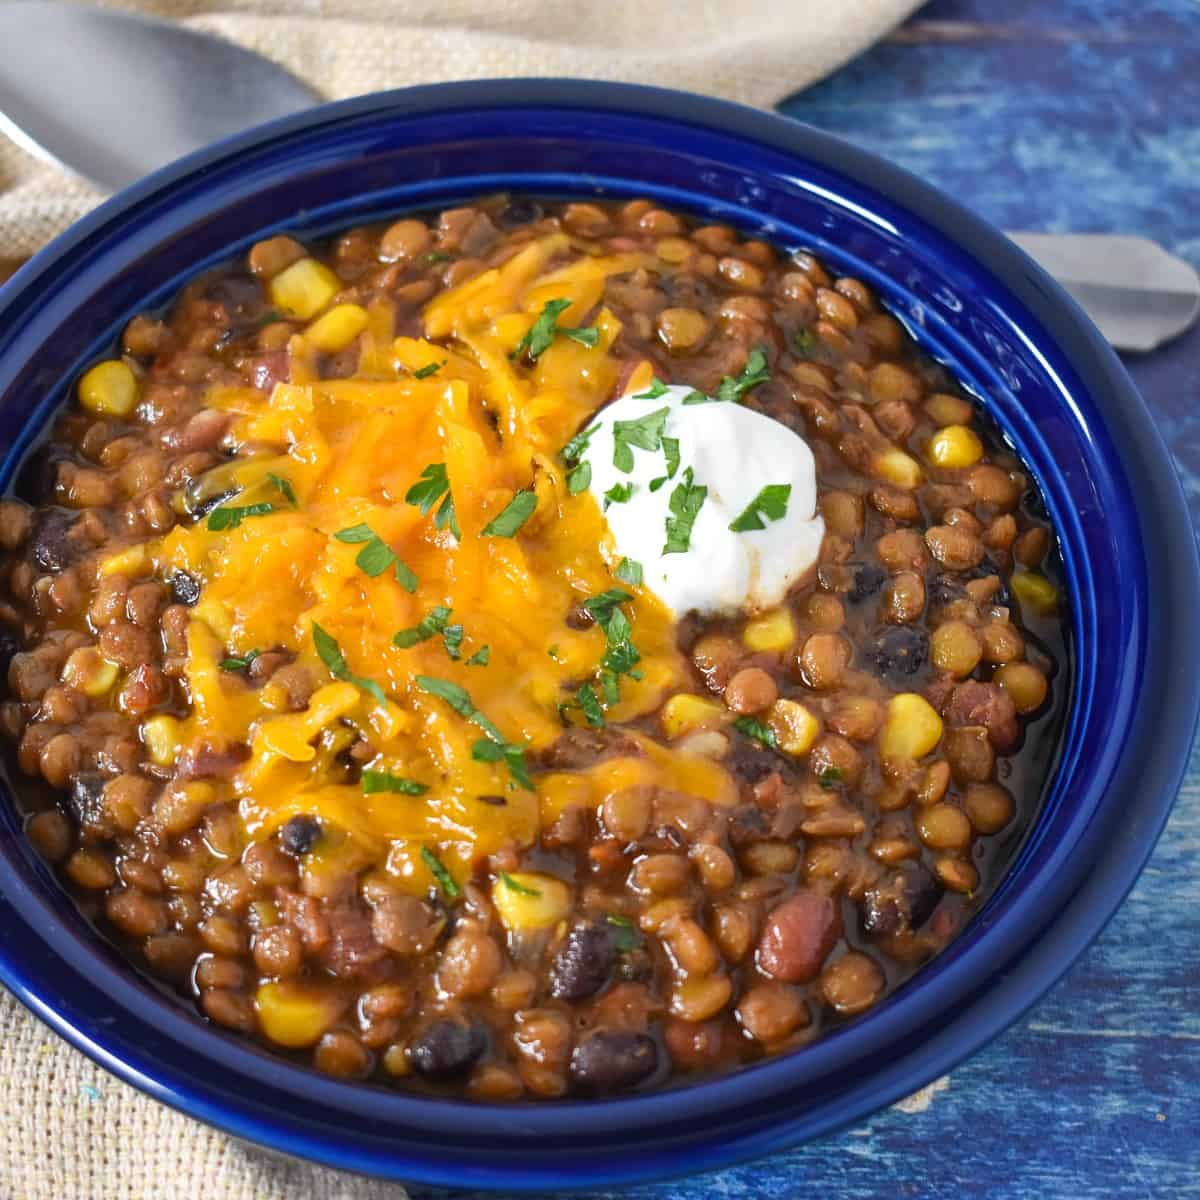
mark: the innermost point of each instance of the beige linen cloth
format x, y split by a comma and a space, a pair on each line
71, 1131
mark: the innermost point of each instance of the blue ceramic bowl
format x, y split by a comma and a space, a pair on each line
968, 296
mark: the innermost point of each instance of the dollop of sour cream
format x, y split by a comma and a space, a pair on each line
734, 453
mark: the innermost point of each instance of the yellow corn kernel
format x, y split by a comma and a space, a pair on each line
304, 288
685, 712
1035, 591
296, 1014
772, 631
109, 389
529, 900
794, 727
89, 672
129, 561
160, 736
911, 729
263, 914
955, 447
337, 328
894, 466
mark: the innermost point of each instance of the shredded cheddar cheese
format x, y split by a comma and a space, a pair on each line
350, 451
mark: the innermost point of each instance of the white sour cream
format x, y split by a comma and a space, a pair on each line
733, 452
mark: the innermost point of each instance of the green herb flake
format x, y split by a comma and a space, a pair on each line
436, 256
553, 652
625, 936
515, 885
452, 638
686, 501
770, 503
670, 447
429, 369
656, 389
698, 397
757, 730
385, 781
230, 516
619, 493
586, 336
444, 879
579, 477
485, 750
239, 662
432, 485
375, 557
493, 748
804, 341
428, 626
542, 332
330, 653
830, 777
629, 571
577, 446
481, 657
516, 512
643, 432
753, 373
590, 706
284, 486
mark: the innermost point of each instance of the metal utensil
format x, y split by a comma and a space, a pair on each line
113, 95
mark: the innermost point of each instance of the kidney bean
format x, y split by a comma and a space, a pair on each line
798, 935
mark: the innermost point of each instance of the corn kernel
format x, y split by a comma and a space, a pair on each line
1035, 591
894, 466
955, 447
772, 631
263, 914
89, 672
296, 1014
528, 900
337, 328
160, 736
304, 289
794, 727
911, 729
129, 561
109, 389
685, 712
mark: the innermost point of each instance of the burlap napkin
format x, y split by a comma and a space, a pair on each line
71, 1131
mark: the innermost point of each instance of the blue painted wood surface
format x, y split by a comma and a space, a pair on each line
1057, 115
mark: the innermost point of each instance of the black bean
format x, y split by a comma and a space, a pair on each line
299, 835
689, 291
86, 797
749, 762
582, 967
50, 548
520, 211
898, 652
38, 476
868, 579
10, 644
902, 902
447, 1050
635, 966
946, 589
185, 588
578, 618
240, 296
611, 1062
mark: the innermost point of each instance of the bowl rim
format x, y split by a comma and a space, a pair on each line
1167, 544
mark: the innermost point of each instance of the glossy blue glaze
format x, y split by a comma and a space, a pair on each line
970, 298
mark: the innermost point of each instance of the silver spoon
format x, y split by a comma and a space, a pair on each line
113, 95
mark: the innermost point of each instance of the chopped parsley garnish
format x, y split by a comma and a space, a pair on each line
331, 655
698, 397
516, 512
757, 730
590, 706
444, 879
753, 373
604, 605
452, 637
643, 432
436, 256
429, 369
542, 332
375, 557
670, 447
515, 885
629, 571
657, 388
686, 501
804, 341
239, 663
268, 317
385, 781
427, 627
577, 446
230, 516
480, 657
579, 477
625, 935
553, 652
425, 493
619, 493
771, 503
493, 748
284, 487
830, 777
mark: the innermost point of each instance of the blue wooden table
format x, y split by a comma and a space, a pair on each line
1057, 115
